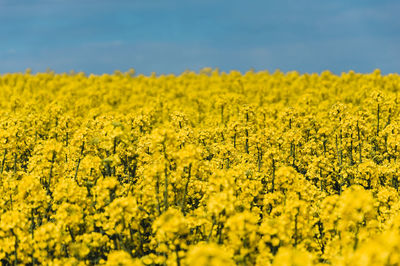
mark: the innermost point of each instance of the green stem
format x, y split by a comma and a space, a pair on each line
166, 188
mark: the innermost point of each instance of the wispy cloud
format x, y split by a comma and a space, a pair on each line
172, 36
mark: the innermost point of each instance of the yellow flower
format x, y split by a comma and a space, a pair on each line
211, 254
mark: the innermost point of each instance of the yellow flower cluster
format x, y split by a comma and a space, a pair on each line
200, 169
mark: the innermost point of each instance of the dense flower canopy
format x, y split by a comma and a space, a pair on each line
200, 169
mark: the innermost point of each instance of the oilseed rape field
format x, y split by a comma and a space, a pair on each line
207, 168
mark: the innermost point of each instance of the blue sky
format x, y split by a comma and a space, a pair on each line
171, 36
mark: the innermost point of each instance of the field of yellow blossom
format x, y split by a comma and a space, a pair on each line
206, 168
